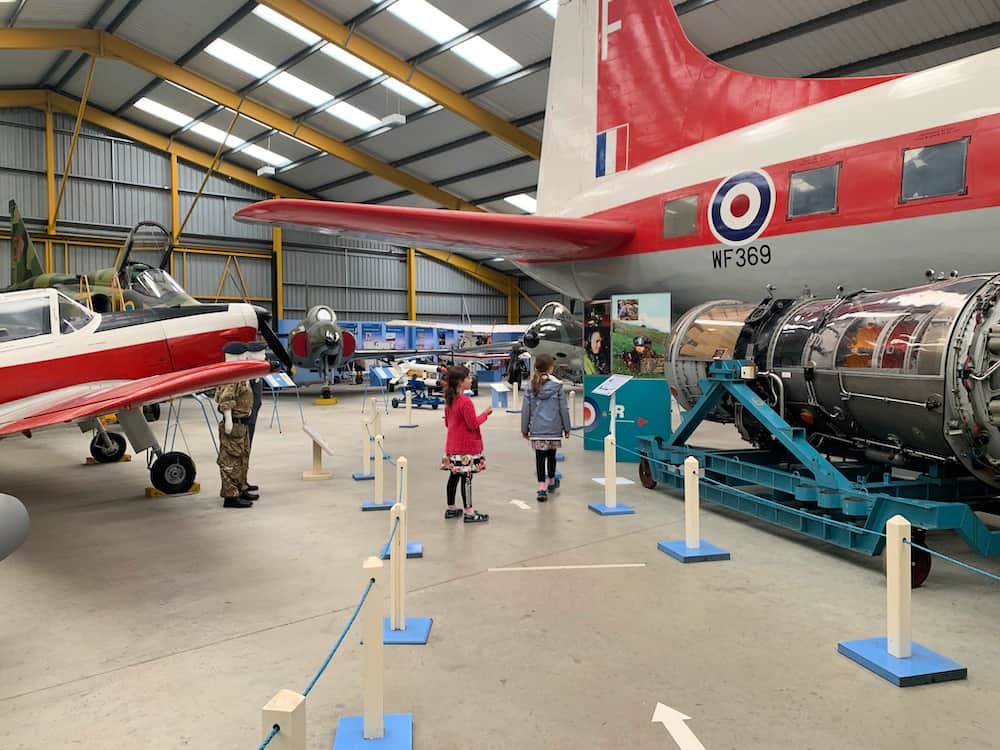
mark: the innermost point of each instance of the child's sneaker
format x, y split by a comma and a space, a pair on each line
453, 513
553, 484
542, 496
476, 517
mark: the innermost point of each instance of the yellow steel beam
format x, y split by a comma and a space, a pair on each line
50, 184
279, 273
411, 284
373, 54
175, 200
110, 46
71, 151
502, 282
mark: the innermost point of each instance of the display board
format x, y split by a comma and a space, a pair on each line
597, 338
640, 328
643, 407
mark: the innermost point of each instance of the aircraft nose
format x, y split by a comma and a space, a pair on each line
262, 313
531, 339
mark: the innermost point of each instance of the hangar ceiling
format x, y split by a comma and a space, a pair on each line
476, 73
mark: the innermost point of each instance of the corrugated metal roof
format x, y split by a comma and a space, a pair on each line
19, 68
171, 28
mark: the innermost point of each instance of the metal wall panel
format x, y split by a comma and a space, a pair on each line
135, 204
438, 277
23, 116
204, 271
461, 307
88, 202
22, 148
29, 192
213, 216
4, 263
189, 178
92, 157
141, 166
82, 258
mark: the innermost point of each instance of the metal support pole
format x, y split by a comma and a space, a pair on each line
692, 523
898, 593
397, 554
610, 472
379, 493
54, 212
371, 618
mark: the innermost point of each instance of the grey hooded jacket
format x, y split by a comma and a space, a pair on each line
545, 416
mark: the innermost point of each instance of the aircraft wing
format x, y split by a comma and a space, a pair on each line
483, 328
528, 237
76, 404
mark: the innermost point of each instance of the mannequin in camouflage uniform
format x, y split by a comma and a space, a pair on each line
235, 401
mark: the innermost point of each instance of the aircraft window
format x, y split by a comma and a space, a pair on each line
72, 317
929, 171
680, 216
156, 284
813, 191
24, 319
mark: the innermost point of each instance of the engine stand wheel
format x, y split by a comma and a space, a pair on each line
100, 451
646, 473
172, 473
395, 403
151, 412
327, 393
920, 561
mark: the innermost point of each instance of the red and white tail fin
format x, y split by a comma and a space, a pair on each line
626, 86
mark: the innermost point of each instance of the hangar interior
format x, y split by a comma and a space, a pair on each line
169, 622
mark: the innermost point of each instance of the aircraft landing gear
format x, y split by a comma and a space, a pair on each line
107, 447
173, 473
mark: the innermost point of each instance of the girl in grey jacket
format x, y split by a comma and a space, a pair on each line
544, 421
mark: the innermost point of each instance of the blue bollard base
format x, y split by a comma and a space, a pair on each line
704, 552
359, 477
619, 510
369, 505
397, 735
923, 668
416, 632
408, 426
413, 550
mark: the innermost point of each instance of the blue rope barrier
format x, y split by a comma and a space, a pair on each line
274, 733
340, 640
392, 533
961, 564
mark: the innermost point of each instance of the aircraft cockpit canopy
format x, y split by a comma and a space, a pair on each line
24, 316
326, 315
555, 310
157, 284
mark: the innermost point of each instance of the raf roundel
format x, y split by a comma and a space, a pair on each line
741, 207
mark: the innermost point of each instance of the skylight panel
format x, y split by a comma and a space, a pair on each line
523, 201
441, 27
239, 58
301, 89
356, 117
163, 112
208, 131
286, 24
407, 92
551, 7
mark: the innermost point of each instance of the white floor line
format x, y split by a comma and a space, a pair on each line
566, 567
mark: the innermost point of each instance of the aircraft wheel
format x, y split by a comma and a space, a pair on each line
920, 561
102, 454
151, 412
434, 406
172, 473
395, 403
646, 473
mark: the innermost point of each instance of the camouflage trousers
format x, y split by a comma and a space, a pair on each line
234, 458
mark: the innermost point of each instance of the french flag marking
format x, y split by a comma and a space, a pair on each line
612, 151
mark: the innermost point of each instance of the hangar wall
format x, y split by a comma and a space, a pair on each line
115, 183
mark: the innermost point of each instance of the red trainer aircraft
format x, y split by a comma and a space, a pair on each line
664, 170
61, 363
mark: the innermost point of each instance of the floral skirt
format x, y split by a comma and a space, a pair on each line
464, 464
546, 445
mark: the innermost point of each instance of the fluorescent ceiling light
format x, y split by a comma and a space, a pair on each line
499, 260
205, 130
551, 7
342, 56
523, 201
441, 27
239, 58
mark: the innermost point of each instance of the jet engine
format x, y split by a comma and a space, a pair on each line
908, 377
14, 524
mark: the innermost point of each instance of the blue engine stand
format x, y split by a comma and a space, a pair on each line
796, 487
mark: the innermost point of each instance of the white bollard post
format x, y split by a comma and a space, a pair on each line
397, 552
379, 496
513, 396
898, 594
366, 450
572, 408
409, 406
376, 417
371, 618
287, 709
692, 522
610, 472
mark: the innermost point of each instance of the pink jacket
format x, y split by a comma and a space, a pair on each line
464, 437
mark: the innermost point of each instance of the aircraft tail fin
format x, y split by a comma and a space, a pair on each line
24, 262
627, 86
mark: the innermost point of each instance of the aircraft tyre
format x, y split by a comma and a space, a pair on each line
395, 403
920, 561
173, 473
646, 473
151, 412
100, 451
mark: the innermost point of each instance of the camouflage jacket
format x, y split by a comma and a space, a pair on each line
237, 397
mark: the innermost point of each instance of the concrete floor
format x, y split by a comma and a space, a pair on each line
168, 623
